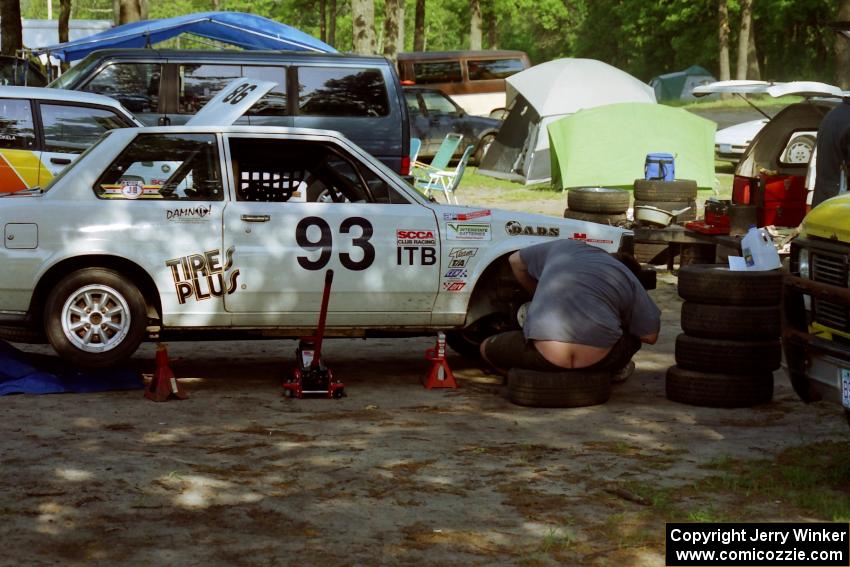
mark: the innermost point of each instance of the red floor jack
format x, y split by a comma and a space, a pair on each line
311, 376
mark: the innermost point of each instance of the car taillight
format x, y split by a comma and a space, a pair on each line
405, 165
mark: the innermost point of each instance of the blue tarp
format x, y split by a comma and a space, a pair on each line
22, 373
247, 31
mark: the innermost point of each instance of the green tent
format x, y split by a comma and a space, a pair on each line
607, 145
678, 85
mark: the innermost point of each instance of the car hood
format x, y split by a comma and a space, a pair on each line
829, 220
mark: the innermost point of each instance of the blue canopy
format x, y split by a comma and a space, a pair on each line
247, 31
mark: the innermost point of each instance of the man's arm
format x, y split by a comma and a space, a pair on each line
520, 271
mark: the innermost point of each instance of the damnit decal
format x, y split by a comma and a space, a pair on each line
416, 247
467, 231
202, 276
515, 228
189, 214
466, 216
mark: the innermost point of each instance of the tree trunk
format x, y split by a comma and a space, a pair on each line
723, 39
393, 17
363, 26
474, 24
753, 69
332, 25
215, 5
143, 9
492, 35
323, 17
64, 18
842, 49
419, 27
744, 39
11, 35
129, 11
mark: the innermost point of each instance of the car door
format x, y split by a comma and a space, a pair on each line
20, 155
300, 207
442, 115
68, 130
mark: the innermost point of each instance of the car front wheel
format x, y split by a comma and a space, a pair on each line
95, 318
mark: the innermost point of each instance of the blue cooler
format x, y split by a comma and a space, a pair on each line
660, 167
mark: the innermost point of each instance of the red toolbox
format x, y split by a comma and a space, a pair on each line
780, 199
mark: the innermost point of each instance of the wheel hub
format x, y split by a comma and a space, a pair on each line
96, 318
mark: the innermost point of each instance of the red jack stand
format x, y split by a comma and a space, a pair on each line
440, 375
311, 376
164, 386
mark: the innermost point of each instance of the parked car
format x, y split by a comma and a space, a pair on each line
357, 95
233, 242
17, 71
43, 130
433, 115
731, 142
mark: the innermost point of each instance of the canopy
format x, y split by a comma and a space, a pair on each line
247, 31
679, 85
564, 86
607, 145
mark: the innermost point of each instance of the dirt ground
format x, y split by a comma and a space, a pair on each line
393, 474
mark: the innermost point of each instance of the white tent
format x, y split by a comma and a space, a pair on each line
544, 93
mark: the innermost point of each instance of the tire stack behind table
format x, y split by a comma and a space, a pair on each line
668, 195
602, 205
730, 345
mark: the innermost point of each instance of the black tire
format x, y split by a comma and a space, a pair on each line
795, 358
730, 321
570, 389
718, 390
717, 284
483, 145
733, 357
653, 254
600, 218
598, 200
105, 286
467, 341
678, 190
671, 206
21, 335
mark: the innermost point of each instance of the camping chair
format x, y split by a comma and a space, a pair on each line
415, 146
447, 180
425, 175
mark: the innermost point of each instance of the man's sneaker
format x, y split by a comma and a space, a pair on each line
624, 373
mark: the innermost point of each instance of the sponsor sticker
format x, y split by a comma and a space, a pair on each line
467, 231
456, 273
415, 238
515, 228
458, 257
466, 216
189, 214
131, 189
416, 247
203, 276
454, 286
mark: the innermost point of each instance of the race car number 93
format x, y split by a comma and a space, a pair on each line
325, 243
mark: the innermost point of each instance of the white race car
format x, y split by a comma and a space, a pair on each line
237, 237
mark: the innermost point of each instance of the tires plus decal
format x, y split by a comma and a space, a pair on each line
202, 276
467, 231
325, 243
415, 247
191, 214
465, 216
515, 228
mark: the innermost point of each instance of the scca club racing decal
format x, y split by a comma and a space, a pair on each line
203, 276
189, 214
515, 228
458, 257
466, 216
467, 231
416, 247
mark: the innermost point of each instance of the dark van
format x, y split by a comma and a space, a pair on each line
474, 79
359, 96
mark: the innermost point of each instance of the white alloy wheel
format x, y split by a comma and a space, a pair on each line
96, 318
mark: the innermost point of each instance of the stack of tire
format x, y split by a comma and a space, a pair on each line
730, 345
602, 205
668, 195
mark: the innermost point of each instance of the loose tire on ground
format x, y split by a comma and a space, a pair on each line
795, 357
672, 206
678, 190
718, 390
598, 200
717, 284
600, 218
95, 318
717, 355
730, 321
570, 389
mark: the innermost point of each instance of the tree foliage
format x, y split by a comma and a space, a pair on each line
644, 38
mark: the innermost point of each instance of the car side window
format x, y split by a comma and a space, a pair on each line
273, 103
436, 103
412, 103
16, 124
489, 69
437, 72
279, 171
199, 83
72, 129
135, 85
342, 91
164, 166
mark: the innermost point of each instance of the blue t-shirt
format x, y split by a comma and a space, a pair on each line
585, 296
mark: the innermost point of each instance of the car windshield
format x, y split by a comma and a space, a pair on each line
81, 157
70, 76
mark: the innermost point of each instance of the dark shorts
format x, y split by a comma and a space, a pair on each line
511, 350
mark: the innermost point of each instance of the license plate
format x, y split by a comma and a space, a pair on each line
725, 148
845, 388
